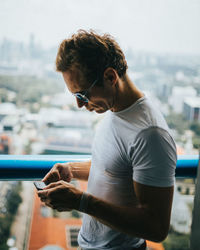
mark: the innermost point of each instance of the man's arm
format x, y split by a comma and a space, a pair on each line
149, 220
67, 171
80, 170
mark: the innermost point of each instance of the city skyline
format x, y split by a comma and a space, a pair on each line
160, 26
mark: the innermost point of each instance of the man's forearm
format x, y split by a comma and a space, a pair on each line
80, 170
136, 221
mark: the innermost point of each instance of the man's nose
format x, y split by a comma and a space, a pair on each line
80, 103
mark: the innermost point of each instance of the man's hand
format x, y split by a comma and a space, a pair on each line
61, 196
60, 171
67, 171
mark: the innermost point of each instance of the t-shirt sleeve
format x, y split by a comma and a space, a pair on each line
153, 157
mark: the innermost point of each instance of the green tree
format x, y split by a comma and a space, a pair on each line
12, 204
178, 122
5, 223
177, 241
195, 127
4, 246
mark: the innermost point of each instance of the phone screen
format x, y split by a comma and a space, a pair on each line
39, 185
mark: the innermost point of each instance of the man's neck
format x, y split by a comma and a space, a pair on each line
126, 94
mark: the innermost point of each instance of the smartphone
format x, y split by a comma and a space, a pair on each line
39, 185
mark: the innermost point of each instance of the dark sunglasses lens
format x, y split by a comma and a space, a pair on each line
82, 98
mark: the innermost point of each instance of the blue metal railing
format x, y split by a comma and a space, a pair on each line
34, 167
187, 166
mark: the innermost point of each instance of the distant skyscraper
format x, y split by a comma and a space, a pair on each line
179, 94
32, 45
192, 109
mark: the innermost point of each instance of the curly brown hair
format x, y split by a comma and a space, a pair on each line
91, 53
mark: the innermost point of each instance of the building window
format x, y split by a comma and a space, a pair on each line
72, 235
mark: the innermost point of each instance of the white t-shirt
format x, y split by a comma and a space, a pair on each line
131, 145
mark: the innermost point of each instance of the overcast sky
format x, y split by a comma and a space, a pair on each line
150, 25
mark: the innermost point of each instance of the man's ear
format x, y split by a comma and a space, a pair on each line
111, 75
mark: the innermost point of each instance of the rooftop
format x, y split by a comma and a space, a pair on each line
193, 101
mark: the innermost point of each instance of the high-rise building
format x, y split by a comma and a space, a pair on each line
179, 94
192, 109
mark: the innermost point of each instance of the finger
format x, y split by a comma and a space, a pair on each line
43, 194
68, 178
52, 185
65, 173
55, 176
52, 176
50, 193
46, 177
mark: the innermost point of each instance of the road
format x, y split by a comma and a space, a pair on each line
20, 226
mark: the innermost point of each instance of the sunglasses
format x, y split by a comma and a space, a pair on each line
83, 95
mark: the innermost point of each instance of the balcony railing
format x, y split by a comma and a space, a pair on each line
34, 167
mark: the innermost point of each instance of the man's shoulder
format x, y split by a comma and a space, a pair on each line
142, 115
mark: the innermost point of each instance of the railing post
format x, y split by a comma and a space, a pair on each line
195, 228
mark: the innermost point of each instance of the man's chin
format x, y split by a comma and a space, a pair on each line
97, 110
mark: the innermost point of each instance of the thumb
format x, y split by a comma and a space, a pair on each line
52, 185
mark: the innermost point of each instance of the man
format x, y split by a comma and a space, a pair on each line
131, 172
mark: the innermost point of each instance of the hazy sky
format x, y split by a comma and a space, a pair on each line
151, 25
